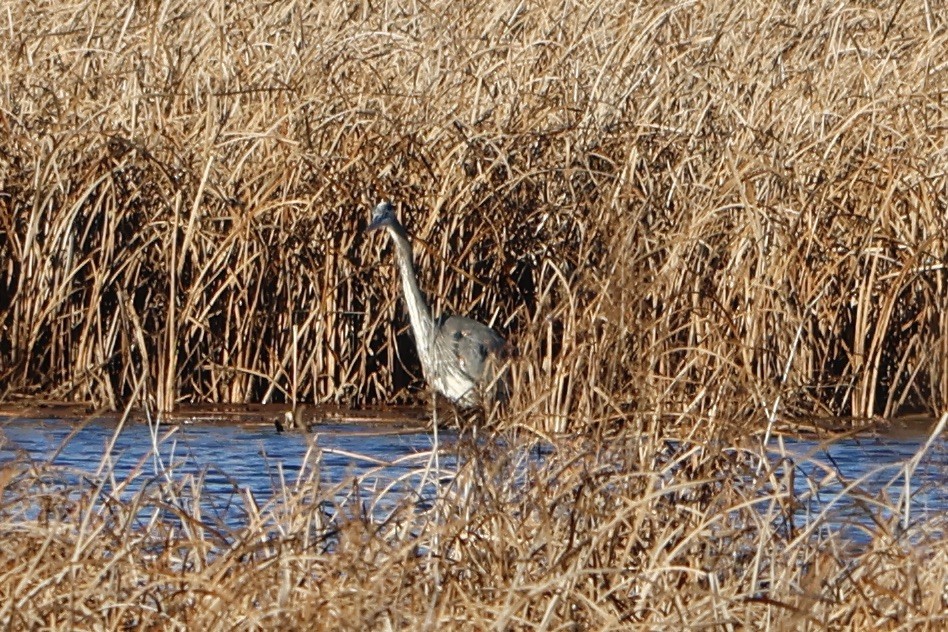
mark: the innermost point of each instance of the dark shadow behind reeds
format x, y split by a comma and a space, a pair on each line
678, 209
689, 219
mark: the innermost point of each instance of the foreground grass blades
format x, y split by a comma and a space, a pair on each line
695, 221
672, 206
614, 532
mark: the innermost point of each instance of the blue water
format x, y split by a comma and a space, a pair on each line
226, 468
854, 483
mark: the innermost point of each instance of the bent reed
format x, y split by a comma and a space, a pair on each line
694, 220
708, 207
613, 532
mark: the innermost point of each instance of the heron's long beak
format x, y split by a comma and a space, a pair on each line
375, 225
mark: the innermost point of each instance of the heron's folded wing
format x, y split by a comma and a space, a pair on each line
470, 343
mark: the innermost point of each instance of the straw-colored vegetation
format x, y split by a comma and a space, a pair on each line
734, 205
605, 533
693, 219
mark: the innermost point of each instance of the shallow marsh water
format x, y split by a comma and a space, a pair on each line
225, 464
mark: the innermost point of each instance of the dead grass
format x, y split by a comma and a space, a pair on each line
694, 220
707, 208
616, 531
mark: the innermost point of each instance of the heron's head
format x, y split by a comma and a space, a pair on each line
383, 216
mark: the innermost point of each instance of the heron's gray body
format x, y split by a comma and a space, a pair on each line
460, 357
465, 356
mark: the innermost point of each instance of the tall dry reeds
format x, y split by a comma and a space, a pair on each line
701, 208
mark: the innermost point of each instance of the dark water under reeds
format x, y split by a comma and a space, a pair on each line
847, 483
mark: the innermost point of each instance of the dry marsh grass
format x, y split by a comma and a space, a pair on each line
693, 219
730, 209
619, 531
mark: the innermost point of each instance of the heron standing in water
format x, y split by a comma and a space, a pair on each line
461, 358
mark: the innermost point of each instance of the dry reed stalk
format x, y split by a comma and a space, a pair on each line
608, 530
679, 208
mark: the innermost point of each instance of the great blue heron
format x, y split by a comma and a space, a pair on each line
461, 358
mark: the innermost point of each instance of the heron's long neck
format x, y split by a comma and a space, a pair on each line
418, 312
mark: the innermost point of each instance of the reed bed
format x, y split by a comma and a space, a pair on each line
735, 210
694, 221
615, 531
